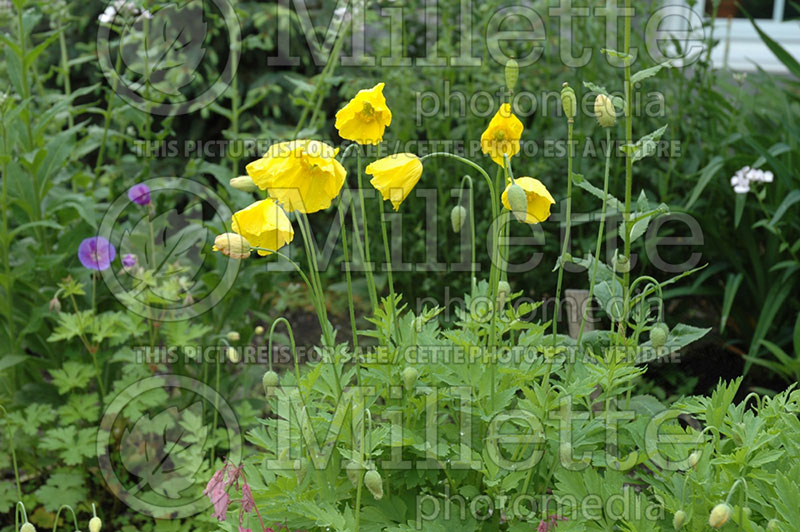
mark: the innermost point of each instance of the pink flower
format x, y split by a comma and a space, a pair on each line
545, 525
248, 504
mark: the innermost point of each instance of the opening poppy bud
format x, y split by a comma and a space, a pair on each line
55, 304
512, 74
233, 336
694, 458
232, 245
259, 330
410, 376
457, 218
518, 201
679, 519
658, 334
27, 527
374, 483
604, 111
353, 473
94, 524
270, 379
719, 515
568, 101
503, 289
244, 183
772, 526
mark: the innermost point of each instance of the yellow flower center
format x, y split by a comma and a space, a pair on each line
500, 135
367, 112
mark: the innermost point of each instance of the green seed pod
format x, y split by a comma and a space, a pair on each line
244, 183
518, 201
503, 289
410, 376
679, 519
719, 515
233, 336
569, 102
374, 483
27, 527
773, 526
604, 111
353, 473
457, 218
95, 524
694, 459
512, 74
270, 379
658, 334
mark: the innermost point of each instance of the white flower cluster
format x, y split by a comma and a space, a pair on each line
741, 180
126, 7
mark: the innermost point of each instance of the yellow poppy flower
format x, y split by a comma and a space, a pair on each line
365, 117
303, 175
539, 199
502, 136
395, 176
264, 225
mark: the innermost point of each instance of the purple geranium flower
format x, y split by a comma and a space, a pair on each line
129, 260
96, 253
139, 194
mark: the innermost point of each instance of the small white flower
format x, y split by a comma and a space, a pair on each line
741, 180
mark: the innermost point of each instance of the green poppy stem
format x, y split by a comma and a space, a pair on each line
567, 232
348, 277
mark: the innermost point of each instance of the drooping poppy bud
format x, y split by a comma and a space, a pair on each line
518, 201
95, 524
270, 379
244, 183
604, 111
720, 515
410, 375
374, 483
679, 519
457, 218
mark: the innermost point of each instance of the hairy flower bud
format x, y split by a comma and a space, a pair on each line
512, 74
719, 515
94, 524
694, 458
244, 183
259, 330
270, 379
27, 527
569, 102
233, 355
622, 264
353, 472
55, 304
410, 375
457, 218
233, 336
233, 245
518, 201
503, 289
772, 526
658, 334
374, 483
604, 111
679, 519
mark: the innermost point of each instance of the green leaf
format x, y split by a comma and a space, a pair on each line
72, 375
731, 288
784, 56
648, 72
645, 146
790, 199
618, 102
72, 444
63, 487
611, 202
706, 175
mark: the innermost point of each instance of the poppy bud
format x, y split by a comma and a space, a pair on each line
27, 527
374, 483
512, 74
679, 519
243, 183
55, 304
232, 245
658, 334
772, 526
518, 201
719, 515
410, 375
604, 111
694, 458
94, 524
233, 355
503, 289
233, 336
259, 330
622, 264
457, 218
270, 379
353, 472
569, 102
